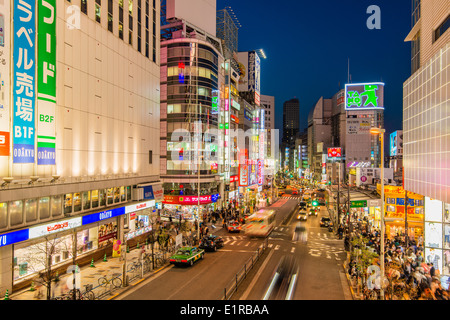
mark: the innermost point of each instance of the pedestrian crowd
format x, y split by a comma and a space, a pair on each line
406, 269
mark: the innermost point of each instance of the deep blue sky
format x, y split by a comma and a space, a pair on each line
308, 44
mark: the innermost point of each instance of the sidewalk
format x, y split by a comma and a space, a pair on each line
90, 275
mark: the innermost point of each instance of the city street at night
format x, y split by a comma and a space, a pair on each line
224, 158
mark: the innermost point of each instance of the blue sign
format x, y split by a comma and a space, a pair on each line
99, 216
148, 193
24, 81
214, 197
393, 143
401, 202
13, 237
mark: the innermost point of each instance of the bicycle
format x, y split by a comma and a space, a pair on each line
134, 266
88, 294
77, 295
147, 262
159, 259
114, 280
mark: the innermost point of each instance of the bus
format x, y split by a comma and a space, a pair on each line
261, 223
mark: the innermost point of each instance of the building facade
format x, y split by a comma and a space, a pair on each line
80, 152
426, 123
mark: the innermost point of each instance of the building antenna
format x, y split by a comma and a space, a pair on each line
348, 70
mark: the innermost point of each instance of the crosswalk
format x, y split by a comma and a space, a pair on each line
319, 244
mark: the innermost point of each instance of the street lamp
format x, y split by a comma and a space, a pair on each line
380, 132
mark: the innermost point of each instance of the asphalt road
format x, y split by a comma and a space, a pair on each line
319, 259
319, 255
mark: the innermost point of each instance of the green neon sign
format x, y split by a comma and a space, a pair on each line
364, 96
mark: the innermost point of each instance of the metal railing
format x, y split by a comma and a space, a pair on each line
234, 283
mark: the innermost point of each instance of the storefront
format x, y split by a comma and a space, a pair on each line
395, 209
437, 235
367, 211
186, 207
139, 218
66, 241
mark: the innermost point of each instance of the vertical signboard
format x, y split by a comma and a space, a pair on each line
46, 89
24, 81
243, 175
5, 47
260, 172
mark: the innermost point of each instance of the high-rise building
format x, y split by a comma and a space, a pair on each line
193, 73
268, 104
78, 118
319, 136
291, 120
426, 125
291, 126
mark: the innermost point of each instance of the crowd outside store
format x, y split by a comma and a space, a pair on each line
407, 275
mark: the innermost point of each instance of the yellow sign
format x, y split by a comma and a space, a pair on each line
116, 248
398, 192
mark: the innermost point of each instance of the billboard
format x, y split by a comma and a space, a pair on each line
363, 96
396, 143
24, 81
46, 81
334, 152
358, 125
243, 175
250, 74
5, 43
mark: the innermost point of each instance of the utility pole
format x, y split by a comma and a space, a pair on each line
406, 219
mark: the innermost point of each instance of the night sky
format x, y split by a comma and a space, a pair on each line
308, 44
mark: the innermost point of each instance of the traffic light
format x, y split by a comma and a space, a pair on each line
315, 203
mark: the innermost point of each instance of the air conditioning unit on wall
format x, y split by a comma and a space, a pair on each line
137, 194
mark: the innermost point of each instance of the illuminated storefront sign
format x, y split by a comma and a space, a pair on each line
356, 164
243, 175
360, 96
190, 200
13, 237
140, 206
91, 218
40, 231
24, 61
46, 90
260, 174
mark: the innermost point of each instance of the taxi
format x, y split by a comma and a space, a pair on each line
187, 256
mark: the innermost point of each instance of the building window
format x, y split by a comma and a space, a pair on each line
415, 12
415, 53
110, 15
154, 33
147, 10
121, 19
98, 4
84, 6
139, 12
130, 22
441, 29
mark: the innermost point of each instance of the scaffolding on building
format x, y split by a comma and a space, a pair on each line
227, 26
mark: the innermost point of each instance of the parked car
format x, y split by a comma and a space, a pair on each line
211, 243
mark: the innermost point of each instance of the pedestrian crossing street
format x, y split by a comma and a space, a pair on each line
319, 244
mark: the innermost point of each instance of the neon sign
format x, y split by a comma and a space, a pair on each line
363, 96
